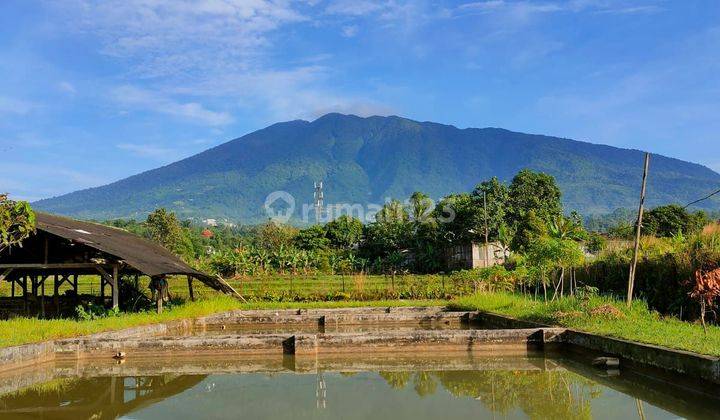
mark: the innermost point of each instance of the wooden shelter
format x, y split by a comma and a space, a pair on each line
63, 249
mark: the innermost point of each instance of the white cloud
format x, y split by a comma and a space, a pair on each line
15, 106
184, 37
355, 7
66, 87
525, 9
350, 31
213, 51
134, 97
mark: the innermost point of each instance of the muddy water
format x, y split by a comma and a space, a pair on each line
404, 387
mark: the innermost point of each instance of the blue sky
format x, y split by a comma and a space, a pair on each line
94, 91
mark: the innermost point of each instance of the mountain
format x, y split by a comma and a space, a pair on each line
366, 160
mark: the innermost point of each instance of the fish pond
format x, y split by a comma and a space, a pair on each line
463, 386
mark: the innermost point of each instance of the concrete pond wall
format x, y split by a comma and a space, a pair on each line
330, 331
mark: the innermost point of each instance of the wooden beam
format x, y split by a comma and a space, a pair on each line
50, 266
104, 276
115, 289
190, 288
5, 273
112, 280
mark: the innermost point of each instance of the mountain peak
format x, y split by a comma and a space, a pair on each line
365, 160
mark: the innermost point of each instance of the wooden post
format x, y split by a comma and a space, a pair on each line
638, 228
190, 288
487, 234
56, 294
25, 294
42, 295
102, 288
115, 287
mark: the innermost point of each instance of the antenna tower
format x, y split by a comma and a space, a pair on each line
319, 201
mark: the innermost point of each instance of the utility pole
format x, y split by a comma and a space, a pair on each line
487, 234
638, 227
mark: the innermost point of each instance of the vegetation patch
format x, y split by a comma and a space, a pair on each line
592, 314
30, 330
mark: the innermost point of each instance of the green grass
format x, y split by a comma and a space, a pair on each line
30, 330
636, 323
307, 286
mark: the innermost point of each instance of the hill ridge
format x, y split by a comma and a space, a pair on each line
365, 159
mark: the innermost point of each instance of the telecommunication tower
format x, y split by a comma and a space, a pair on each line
319, 201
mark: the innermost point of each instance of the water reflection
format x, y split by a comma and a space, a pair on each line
540, 395
92, 398
527, 390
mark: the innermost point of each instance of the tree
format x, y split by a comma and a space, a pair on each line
666, 221
465, 226
595, 243
421, 207
17, 222
392, 212
562, 227
272, 235
533, 201
344, 232
548, 255
505, 238
312, 239
164, 228
496, 199
528, 229
391, 231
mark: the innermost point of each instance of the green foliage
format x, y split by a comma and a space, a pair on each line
533, 202
595, 243
312, 239
30, 330
272, 236
92, 312
665, 270
623, 230
164, 228
666, 221
390, 234
600, 315
421, 207
345, 232
528, 229
496, 200
17, 222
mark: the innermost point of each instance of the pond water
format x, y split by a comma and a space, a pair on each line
512, 388
237, 328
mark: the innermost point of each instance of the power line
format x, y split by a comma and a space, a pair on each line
702, 199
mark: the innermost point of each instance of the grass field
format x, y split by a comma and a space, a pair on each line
30, 330
603, 316
597, 314
289, 287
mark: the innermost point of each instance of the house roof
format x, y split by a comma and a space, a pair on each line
144, 255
